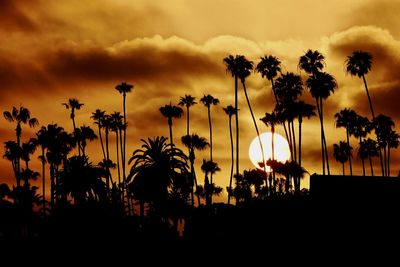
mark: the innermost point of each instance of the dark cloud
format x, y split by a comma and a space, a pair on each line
14, 17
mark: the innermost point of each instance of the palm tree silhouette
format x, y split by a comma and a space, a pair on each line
74, 105
245, 68
368, 149
42, 140
392, 142
210, 167
154, 167
360, 130
209, 100
98, 117
12, 152
342, 153
383, 126
194, 142
169, 111
359, 63
187, 101
20, 116
346, 118
230, 111
233, 67
269, 67
123, 89
312, 62
85, 133
321, 85
116, 126
303, 110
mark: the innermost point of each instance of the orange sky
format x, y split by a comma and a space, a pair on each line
53, 50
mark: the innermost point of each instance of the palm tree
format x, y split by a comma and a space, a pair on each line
359, 63
12, 152
209, 100
194, 142
360, 130
27, 149
232, 66
393, 142
170, 112
115, 126
303, 110
74, 105
98, 118
269, 67
85, 133
230, 111
210, 167
187, 101
383, 126
154, 168
368, 149
245, 68
20, 116
42, 139
346, 118
321, 85
342, 153
123, 89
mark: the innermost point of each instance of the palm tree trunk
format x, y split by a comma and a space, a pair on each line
107, 163
43, 181
187, 120
294, 141
123, 169
255, 125
290, 142
343, 168
118, 167
73, 131
231, 176
237, 124
362, 160
324, 139
101, 142
195, 182
170, 132
388, 162
273, 154
52, 186
384, 160
370, 164
211, 142
18, 176
300, 122
123, 153
322, 142
348, 144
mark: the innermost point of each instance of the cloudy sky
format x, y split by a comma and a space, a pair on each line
53, 50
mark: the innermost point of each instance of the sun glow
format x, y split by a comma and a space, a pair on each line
281, 147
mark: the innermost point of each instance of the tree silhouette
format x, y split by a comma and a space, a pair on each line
392, 142
346, 118
169, 111
84, 134
116, 126
360, 130
207, 101
98, 117
74, 105
342, 153
187, 101
194, 142
303, 110
230, 111
368, 149
269, 67
383, 126
42, 140
209, 167
321, 85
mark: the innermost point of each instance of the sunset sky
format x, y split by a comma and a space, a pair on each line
54, 50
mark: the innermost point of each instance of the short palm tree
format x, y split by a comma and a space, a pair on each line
194, 142
346, 118
368, 149
230, 111
20, 116
208, 101
187, 101
98, 118
360, 130
85, 133
169, 111
342, 153
392, 142
74, 105
210, 167
383, 126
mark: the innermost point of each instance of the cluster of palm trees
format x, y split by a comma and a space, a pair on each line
163, 177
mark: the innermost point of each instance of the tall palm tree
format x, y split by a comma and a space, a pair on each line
360, 130
187, 101
210, 167
342, 153
85, 133
42, 140
383, 126
194, 142
346, 118
74, 105
321, 85
27, 149
154, 167
115, 126
269, 67
303, 110
98, 118
245, 68
123, 89
393, 142
312, 62
20, 116
233, 67
208, 101
359, 63
230, 111
169, 111
368, 149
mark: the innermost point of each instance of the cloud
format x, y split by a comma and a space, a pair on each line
15, 18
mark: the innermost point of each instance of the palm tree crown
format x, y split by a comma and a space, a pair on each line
269, 67
359, 63
124, 88
312, 62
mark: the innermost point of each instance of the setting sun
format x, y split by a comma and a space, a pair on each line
282, 152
